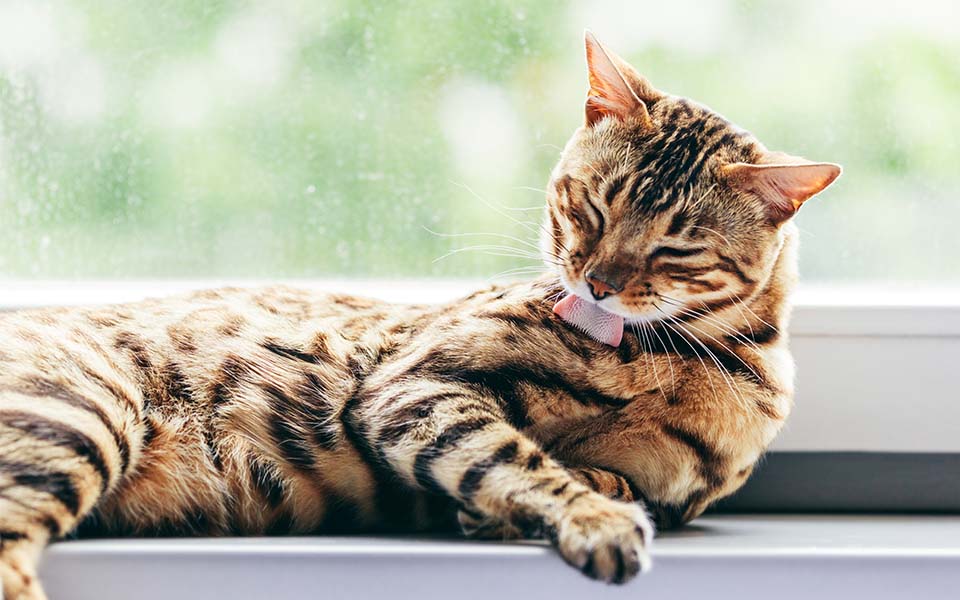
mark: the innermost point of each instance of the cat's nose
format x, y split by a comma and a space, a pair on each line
601, 287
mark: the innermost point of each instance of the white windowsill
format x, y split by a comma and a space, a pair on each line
742, 557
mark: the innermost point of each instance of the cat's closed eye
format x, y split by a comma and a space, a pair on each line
673, 252
597, 214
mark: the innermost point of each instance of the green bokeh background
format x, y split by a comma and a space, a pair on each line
338, 164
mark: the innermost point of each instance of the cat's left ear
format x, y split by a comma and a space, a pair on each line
783, 182
615, 87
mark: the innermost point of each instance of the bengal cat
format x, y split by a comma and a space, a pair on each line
646, 393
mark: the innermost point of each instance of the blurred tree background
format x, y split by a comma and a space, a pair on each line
275, 139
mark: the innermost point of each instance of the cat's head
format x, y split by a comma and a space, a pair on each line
659, 205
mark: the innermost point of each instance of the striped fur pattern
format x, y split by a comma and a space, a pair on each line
282, 411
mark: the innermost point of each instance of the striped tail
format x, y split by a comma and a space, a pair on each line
63, 445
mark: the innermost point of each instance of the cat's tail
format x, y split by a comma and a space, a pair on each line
63, 445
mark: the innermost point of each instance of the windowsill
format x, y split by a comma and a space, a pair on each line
748, 556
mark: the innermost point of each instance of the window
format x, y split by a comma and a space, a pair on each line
254, 139
213, 140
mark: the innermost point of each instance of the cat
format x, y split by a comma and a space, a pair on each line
646, 393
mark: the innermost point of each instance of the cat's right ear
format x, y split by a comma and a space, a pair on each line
611, 94
784, 182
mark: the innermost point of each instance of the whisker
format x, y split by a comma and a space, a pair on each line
713, 231
530, 189
701, 198
491, 250
536, 230
707, 315
727, 377
738, 304
729, 350
652, 357
755, 315
673, 379
509, 273
732, 331
709, 318
484, 234
556, 297
481, 233
693, 348
508, 249
532, 223
492, 206
526, 269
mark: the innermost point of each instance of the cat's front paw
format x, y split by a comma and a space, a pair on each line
606, 539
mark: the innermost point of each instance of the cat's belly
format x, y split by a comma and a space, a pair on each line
180, 489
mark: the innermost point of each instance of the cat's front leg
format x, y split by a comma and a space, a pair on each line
479, 526
454, 441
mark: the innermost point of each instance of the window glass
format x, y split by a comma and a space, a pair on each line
199, 138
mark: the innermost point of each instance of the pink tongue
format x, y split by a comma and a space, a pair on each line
606, 328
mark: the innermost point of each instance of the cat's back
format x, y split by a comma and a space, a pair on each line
180, 347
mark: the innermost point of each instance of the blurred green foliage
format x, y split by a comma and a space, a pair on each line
189, 138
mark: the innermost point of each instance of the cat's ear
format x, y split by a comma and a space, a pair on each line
611, 93
783, 182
